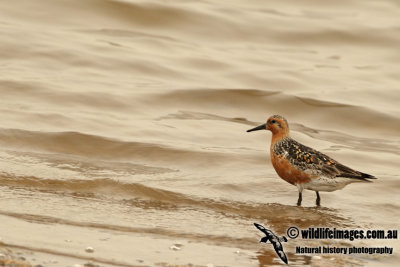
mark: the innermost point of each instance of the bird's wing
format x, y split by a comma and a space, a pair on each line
268, 233
279, 250
261, 228
315, 162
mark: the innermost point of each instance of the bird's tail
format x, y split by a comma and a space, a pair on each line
366, 176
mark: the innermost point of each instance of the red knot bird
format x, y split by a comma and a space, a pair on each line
303, 166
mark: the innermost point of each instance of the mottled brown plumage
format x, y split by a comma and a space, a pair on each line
303, 166
314, 162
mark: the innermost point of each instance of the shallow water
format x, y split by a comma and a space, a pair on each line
123, 127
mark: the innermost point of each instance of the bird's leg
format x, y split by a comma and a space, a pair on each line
299, 200
318, 200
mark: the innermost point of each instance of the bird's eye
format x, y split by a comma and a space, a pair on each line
273, 121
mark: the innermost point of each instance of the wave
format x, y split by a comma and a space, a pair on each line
42, 93
354, 142
355, 36
147, 14
171, 16
75, 143
142, 196
266, 103
206, 104
91, 188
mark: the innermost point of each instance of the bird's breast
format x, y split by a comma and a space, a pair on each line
288, 171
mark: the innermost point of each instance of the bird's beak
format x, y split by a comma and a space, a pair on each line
260, 127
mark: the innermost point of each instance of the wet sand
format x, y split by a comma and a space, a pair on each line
123, 128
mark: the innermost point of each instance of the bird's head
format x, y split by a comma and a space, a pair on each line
277, 124
264, 239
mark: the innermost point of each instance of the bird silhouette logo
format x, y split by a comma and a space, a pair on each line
274, 240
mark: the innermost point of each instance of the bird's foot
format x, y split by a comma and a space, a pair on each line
318, 200
299, 200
